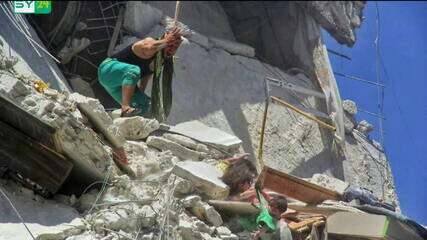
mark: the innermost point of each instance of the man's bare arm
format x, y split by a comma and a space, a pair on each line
147, 47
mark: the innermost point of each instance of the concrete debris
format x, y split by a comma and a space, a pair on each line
171, 168
72, 48
46, 219
349, 107
365, 127
177, 149
204, 177
81, 86
329, 182
136, 128
183, 187
340, 19
201, 132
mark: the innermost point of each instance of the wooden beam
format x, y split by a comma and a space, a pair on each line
31, 159
294, 187
32, 126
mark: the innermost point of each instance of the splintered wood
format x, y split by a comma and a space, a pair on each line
294, 187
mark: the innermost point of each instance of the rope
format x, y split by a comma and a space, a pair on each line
17, 213
177, 10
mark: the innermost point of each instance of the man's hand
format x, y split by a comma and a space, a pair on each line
173, 41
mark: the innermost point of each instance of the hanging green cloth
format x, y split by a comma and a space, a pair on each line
161, 91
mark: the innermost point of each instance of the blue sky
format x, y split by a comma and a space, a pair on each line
403, 46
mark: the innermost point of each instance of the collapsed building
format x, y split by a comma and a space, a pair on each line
237, 55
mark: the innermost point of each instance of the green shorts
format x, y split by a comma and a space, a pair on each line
113, 74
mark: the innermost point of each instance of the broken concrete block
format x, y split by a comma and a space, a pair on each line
222, 231
349, 107
93, 104
234, 48
329, 182
147, 216
349, 123
185, 228
205, 178
13, 87
212, 216
177, 149
182, 140
135, 128
46, 220
182, 187
190, 201
197, 130
365, 127
81, 86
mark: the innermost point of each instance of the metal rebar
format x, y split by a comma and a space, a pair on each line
359, 79
338, 54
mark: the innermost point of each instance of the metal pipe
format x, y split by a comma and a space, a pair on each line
307, 115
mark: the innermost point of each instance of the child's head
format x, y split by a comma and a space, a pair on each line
278, 205
240, 175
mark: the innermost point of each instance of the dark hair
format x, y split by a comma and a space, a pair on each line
239, 172
281, 203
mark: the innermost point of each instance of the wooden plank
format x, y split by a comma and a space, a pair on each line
234, 207
31, 159
294, 187
17, 117
294, 87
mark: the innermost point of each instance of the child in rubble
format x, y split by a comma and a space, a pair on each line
240, 175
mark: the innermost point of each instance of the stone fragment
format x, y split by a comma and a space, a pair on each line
365, 127
147, 216
329, 182
177, 149
197, 130
190, 201
93, 104
182, 187
350, 107
204, 177
223, 231
135, 128
349, 123
212, 216
13, 87
182, 140
81, 86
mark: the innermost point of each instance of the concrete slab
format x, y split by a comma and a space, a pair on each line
46, 219
368, 226
199, 131
205, 178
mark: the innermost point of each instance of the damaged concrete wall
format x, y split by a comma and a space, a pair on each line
32, 60
226, 90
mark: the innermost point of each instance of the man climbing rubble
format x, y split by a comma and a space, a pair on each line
123, 71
